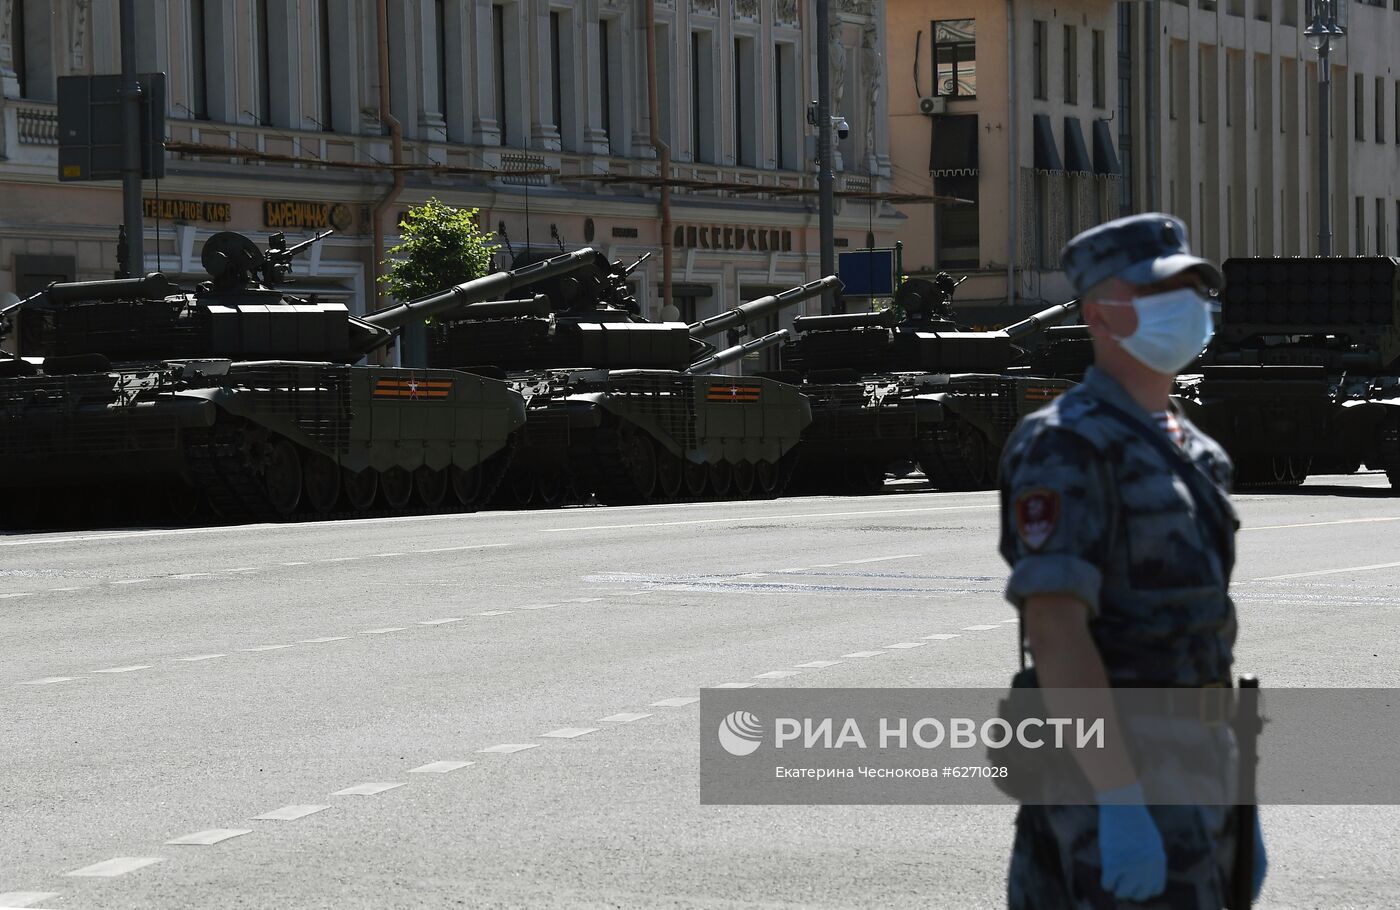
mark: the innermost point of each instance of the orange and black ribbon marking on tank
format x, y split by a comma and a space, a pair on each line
412, 388
1043, 394
734, 392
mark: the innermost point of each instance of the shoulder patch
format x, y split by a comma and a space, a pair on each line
1037, 514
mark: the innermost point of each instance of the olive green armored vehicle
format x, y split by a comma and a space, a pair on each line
908, 384
627, 410
241, 396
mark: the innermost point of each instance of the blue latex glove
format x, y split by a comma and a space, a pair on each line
1130, 847
1261, 859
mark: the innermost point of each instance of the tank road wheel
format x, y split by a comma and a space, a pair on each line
961, 459
1299, 467
864, 477
282, 477
639, 464
551, 491
694, 474
360, 489
466, 485
1279, 474
721, 479
321, 478
431, 486
670, 476
744, 477
182, 501
397, 486
769, 480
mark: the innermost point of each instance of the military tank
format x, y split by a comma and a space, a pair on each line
243, 396
1303, 375
628, 410
909, 384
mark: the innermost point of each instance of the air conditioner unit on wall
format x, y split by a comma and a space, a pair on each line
929, 106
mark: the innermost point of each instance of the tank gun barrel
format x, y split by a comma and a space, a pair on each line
745, 312
883, 319
1039, 321
720, 358
154, 286
487, 288
537, 305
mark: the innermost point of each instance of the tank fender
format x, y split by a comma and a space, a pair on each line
584, 410
930, 407
949, 404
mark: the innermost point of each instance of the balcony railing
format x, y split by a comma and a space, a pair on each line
36, 123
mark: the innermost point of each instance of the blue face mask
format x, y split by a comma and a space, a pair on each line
1173, 328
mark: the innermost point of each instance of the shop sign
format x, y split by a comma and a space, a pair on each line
165, 209
733, 237
294, 213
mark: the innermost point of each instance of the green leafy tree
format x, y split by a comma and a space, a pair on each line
439, 246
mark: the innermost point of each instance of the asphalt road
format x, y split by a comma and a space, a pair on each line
159, 684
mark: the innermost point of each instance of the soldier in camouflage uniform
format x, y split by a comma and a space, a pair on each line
1121, 573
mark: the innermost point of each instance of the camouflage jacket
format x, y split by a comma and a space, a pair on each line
1091, 509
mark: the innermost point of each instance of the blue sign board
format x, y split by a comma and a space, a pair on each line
866, 273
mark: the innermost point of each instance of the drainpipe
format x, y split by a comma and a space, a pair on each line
1013, 168
1151, 37
663, 154
396, 143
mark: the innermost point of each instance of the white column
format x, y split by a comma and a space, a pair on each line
480, 67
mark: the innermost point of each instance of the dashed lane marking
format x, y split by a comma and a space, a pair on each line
623, 718
47, 680
905, 645
131, 669
674, 702
369, 789
289, 813
820, 664
733, 685
508, 748
15, 594
494, 612
777, 674
583, 600
111, 868
569, 732
1379, 565
266, 648
981, 628
318, 641
385, 631
130, 581
439, 767
476, 546
199, 657
296, 563
861, 562
864, 654
1319, 524
242, 569
941, 636
209, 838
383, 555
439, 622
12, 899
537, 607
805, 516
186, 575
1004, 621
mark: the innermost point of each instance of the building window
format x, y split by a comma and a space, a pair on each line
199, 73
264, 60
1125, 110
556, 71
1071, 65
1359, 237
702, 97
1380, 227
323, 38
498, 43
18, 42
1358, 107
1380, 109
440, 26
955, 57
784, 108
1038, 58
1201, 84
1100, 75
1229, 89
665, 83
1397, 110
607, 108
745, 113
959, 234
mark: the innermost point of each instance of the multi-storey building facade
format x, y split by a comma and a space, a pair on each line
533, 111
1206, 109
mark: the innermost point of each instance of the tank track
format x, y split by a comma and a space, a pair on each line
604, 470
945, 462
1263, 474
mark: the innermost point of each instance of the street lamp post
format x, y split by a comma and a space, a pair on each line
826, 203
1325, 25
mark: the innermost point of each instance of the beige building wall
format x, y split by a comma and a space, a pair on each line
483, 89
1030, 195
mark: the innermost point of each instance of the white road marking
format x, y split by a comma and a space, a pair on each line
130, 581
296, 563
634, 594
47, 680
199, 657
941, 636
674, 702
382, 555
289, 813
17, 594
494, 612
820, 664
340, 559
864, 654
861, 562
537, 607
1319, 524
1380, 565
623, 718
825, 565
242, 569
210, 837
508, 748
569, 732
980, 628
583, 600
184, 575
777, 674
131, 669
12, 899
317, 641
475, 546
905, 645
807, 516
111, 868
439, 767
1004, 621
382, 631
732, 685
369, 789
439, 622
266, 648
58, 590
752, 575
